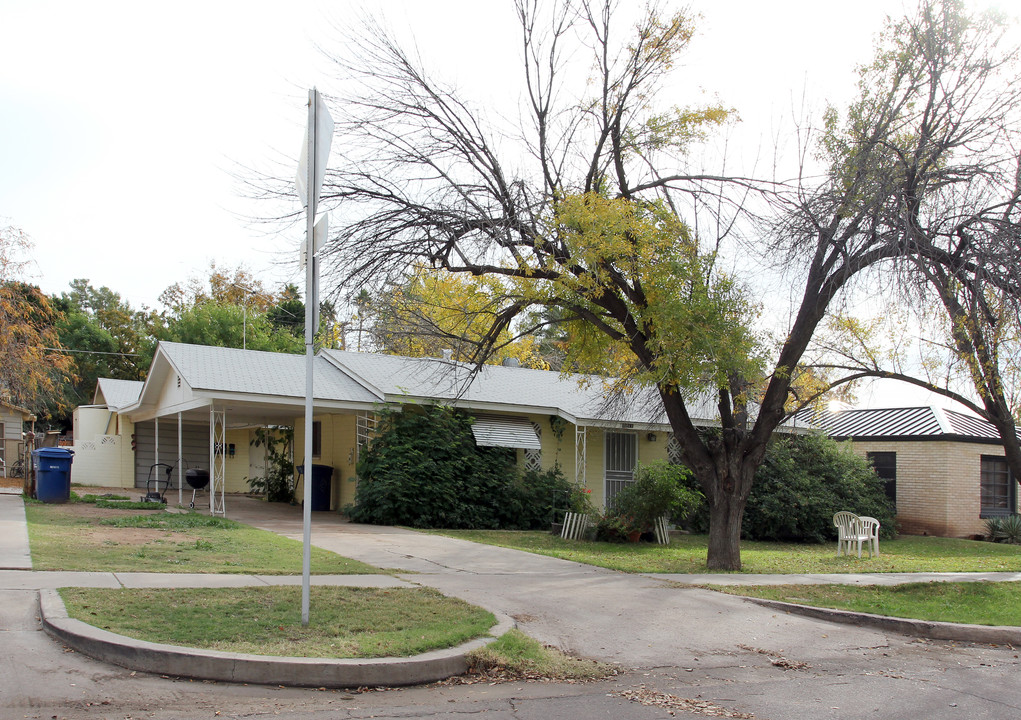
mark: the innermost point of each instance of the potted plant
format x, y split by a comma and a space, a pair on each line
657, 491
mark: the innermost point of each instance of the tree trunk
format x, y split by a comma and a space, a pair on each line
725, 514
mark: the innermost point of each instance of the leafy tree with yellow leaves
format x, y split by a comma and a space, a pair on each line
430, 313
32, 367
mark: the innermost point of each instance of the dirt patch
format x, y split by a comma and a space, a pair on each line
98, 534
107, 534
10, 483
88, 511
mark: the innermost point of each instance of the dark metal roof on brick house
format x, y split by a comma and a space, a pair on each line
911, 423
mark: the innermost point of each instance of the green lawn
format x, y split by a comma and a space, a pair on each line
975, 603
687, 554
81, 537
343, 622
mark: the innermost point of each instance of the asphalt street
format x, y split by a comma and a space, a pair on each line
682, 651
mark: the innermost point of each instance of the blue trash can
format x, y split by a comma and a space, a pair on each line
53, 474
322, 477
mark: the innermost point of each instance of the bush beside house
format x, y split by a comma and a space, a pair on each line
803, 481
424, 470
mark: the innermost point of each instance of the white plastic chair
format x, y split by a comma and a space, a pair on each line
870, 530
850, 530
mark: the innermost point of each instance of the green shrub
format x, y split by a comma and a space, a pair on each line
803, 481
424, 470
539, 499
614, 528
658, 489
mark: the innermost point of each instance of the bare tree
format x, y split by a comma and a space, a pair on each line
598, 222
958, 214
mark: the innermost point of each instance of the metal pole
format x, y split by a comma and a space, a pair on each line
306, 556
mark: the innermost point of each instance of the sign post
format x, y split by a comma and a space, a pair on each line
311, 171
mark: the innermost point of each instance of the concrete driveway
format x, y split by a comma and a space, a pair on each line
634, 620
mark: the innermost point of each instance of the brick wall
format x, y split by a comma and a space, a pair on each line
938, 484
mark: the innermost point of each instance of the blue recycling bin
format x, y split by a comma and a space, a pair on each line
53, 474
322, 477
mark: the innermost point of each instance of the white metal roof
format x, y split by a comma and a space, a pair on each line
116, 394
256, 372
925, 422
510, 389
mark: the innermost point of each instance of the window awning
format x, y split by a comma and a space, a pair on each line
505, 431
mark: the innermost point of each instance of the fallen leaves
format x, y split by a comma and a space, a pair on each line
650, 697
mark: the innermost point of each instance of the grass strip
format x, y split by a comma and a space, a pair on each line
972, 603
63, 539
515, 656
90, 498
687, 554
343, 622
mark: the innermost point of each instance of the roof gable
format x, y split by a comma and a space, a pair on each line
233, 370
116, 394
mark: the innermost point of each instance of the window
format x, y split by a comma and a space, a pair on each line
885, 465
999, 495
317, 438
365, 428
533, 458
674, 454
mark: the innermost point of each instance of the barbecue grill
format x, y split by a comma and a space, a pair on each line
197, 479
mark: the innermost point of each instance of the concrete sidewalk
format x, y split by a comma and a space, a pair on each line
14, 552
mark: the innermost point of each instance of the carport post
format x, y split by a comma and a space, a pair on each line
180, 464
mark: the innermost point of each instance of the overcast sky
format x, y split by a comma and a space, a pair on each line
123, 125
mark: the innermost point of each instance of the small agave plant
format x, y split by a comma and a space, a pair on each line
1010, 529
994, 529
1005, 529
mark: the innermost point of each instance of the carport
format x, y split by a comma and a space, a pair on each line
223, 389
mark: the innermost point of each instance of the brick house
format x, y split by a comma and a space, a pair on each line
945, 470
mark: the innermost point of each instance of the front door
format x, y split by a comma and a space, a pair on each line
621, 458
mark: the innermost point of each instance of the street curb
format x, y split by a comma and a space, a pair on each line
930, 629
179, 661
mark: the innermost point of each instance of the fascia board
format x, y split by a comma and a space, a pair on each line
483, 406
253, 401
142, 415
623, 425
256, 399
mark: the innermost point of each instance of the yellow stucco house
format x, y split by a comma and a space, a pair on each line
200, 407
